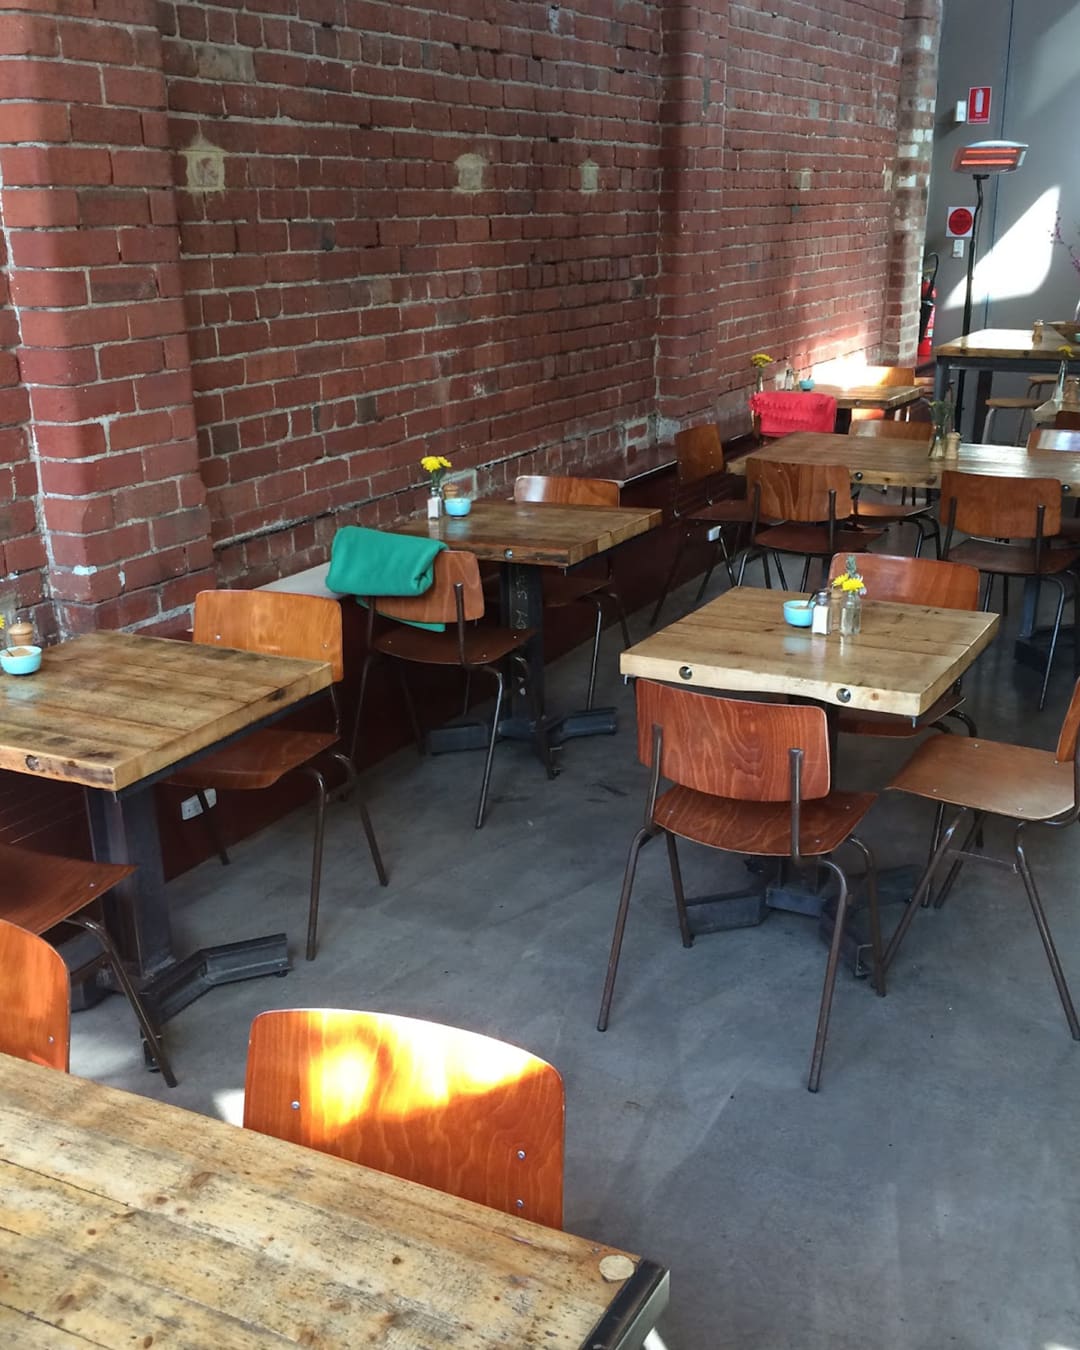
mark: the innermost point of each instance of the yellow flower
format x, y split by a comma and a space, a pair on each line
432, 463
1065, 351
849, 583
760, 359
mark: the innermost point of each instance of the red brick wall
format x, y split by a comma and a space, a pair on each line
523, 235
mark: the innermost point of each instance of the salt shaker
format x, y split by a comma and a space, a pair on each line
1037, 333
821, 618
21, 634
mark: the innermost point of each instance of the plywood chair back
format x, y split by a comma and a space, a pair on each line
799, 492
1001, 508
35, 998
914, 581
1068, 419
273, 623
566, 491
451, 1109
1050, 438
699, 453
453, 567
1070, 727
896, 431
730, 747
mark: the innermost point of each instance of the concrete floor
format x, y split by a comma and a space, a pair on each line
925, 1198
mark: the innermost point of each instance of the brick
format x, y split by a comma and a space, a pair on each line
35, 122
39, 208
54, 166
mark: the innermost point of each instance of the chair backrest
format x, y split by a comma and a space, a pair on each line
438, 604
275, 623
699, 453
35, 998
1001, 508
451, 1109
1067, 419
566, 491
793, 491
914, 581
897, 431
865, 377
1051, 438
731, 747
780, 411
1070, 727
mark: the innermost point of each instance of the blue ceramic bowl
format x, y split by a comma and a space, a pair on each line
20, 660
457, 506
806, 385
798, 613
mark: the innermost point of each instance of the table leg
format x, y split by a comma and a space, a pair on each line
843, 421
983, 387
124, 829
941, 378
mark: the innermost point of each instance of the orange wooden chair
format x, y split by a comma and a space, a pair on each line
450, 1109
912, 581
1026, 512
35, 996
894, 430
562, 589
983, 778
813, 504
42, 891
455, 604
749, 778
277, 623
1054, 438
709, 501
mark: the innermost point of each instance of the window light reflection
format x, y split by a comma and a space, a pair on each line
1019, 263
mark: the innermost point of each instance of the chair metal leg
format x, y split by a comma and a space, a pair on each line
316, 859
935, 839
922, 888
831, 967
146, 1025
486, 780
805, 574
365, 818
355, 739
677, 887
640, 839
780, 571
211, 826
875, 913
591, 694
954, 871
669, 579
1053, 638
1044, 932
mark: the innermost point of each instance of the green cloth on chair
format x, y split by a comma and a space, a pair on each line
375, 562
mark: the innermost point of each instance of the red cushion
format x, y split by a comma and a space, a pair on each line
781, 411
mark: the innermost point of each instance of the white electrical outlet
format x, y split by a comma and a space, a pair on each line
191, 807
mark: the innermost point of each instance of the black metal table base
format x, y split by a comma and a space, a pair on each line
473, 734
181, 983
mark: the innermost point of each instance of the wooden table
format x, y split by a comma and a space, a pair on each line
116, 713
129, 1223
992, 349
887, 397
904, 659
526, 537
902, 463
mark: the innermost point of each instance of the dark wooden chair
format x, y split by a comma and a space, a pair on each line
813, 504
709, 501
35, 995
892, 513
41, 892
981, 778
455, 601
278, 623
749, 778
584, 586
453, 1110
1013, 521
912, 581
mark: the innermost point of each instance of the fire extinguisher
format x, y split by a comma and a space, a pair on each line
926, 307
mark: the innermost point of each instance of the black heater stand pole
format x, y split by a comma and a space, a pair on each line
980, 178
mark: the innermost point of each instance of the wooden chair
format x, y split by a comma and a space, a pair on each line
460, 1112
706, 504
35, 995
562, 589
750, 778
41, 892
1054, 438
277, 623
801, 497
455, 603
912, 581
990, 778
996, 509
895, 431
883, 377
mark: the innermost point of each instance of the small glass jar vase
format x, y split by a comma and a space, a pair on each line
851, 614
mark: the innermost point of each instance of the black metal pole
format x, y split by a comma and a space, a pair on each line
980, 178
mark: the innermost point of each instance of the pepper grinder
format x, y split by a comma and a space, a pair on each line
21, 634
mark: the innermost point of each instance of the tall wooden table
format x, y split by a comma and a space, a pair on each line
990, 349
117, 713
129, 1223
526, 537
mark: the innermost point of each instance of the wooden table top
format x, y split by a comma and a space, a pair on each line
539, 533
1007, 343
900, 463
887, 396
110, 709
904, 659
130, 1223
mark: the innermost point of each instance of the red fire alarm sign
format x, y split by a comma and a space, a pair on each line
978, 109
958, 223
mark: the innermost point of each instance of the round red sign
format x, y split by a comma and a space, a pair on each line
960, 222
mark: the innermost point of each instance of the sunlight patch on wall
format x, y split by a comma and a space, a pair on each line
1019, 262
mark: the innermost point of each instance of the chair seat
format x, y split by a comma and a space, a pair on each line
41, 890
1009, 402
762, 828
855, 723
814, 540
738, 512
1005, 780
881, 513
483, 645
567, 588
257, 761
1014, 560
